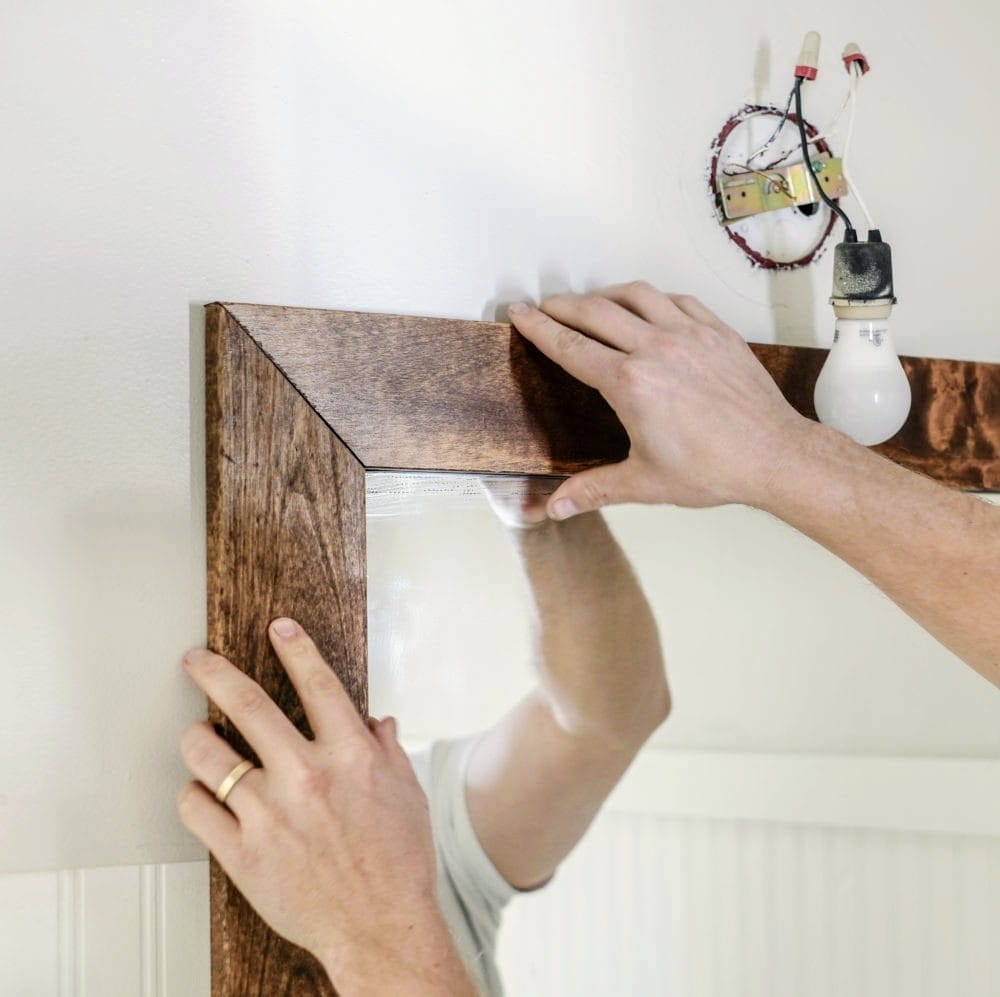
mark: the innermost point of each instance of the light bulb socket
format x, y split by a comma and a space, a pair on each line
862, 278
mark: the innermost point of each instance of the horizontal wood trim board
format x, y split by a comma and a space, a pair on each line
413, 393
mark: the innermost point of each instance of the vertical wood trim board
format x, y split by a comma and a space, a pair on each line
286, 537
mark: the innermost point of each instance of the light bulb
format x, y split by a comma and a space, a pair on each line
862, 389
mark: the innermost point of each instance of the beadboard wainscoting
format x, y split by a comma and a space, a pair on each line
700, 908
648, 905
126, 931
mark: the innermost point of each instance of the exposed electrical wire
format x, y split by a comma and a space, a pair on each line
807, 159
856, 70
776, 178
856, 67
824, 136
777, 130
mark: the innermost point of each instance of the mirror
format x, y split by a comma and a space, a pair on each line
785, 803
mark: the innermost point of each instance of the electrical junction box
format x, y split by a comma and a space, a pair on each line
741, 195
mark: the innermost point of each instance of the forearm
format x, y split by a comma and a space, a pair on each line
423, 961
933, 551
597, 647
535, 780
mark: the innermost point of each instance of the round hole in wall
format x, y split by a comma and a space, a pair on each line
785, 239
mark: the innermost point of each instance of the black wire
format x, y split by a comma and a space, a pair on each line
781, 124
807, 160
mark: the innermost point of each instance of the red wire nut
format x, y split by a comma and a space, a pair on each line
851, 55
808, 64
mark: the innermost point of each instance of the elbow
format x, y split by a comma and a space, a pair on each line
659, 705
653, 704
648, 716
624, 729
663, 708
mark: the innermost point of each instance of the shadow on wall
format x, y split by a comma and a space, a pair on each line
790, 292
196, 415
793, 299
127, 556
788, 295
510, 288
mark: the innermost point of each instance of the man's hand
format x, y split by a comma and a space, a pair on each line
330, 840
707, 424
519, 503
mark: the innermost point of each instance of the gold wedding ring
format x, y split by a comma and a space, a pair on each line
234, 777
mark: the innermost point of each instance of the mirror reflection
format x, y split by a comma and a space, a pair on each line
636, 730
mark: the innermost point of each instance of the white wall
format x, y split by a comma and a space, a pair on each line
432, 158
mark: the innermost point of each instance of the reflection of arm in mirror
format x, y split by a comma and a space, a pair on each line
535, 781
708, 427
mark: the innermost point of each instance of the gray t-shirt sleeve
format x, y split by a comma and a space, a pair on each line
471, 890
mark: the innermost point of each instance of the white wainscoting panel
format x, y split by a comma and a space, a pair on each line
128, 931
693, 908
32, 958
648, 905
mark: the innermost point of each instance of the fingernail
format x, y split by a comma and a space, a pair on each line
194, 655
284, 627
517, 308
564, 508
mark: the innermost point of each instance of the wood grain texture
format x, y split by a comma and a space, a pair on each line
953, 434
286, 537
300, 402
411, 393
953, 431
437, 394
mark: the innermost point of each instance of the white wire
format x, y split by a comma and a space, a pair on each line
850, 104
746, 164
775, 133
823, 136
856, 74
